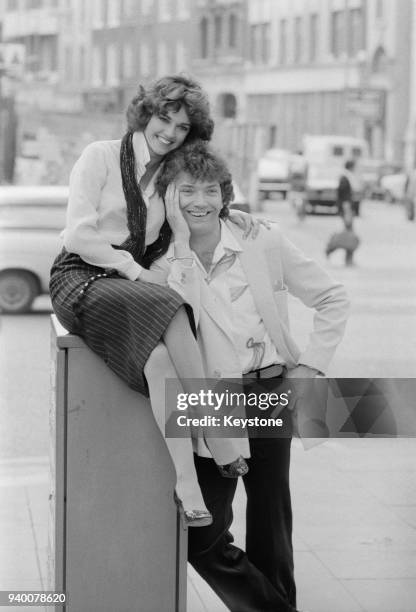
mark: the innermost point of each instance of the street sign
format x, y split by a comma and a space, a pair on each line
367, 103
12, 59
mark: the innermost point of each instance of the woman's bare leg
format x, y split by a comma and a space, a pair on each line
186, 357
158, 367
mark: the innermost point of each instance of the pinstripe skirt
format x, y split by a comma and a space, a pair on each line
120, 320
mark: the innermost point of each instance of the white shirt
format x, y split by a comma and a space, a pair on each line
97, 210
228, 283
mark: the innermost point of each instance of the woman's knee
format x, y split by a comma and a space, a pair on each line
159, 362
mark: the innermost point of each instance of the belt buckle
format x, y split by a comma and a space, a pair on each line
272, 371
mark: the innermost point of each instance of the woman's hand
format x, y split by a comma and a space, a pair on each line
178, 225
249, 224
157, 277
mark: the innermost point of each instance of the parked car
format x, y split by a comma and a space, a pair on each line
273, 171
31, 219
371, 172
409, 199
393, 186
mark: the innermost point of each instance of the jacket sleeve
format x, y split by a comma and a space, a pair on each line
81, 234
184, 279
309, 282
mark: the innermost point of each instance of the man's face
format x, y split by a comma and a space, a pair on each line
199, 201
167, 131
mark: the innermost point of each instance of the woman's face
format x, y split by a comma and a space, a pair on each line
167, 131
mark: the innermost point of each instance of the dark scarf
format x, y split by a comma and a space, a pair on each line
137, 211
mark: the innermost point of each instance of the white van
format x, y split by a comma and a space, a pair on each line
326, 156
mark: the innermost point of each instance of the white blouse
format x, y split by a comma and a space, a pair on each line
97, 211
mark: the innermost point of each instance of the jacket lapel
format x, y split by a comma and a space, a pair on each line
255, 265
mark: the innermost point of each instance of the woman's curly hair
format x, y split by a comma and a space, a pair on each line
202, 163
171, 93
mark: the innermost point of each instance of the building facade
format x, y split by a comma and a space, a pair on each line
275, 70
313, 66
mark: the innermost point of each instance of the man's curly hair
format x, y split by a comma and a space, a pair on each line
171, 93
202, 163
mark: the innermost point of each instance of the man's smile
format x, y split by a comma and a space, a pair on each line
198, 213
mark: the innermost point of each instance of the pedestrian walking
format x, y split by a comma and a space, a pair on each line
348, 206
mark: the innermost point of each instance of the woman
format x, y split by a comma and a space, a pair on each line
101, 287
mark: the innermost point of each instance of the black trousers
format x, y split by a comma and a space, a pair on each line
262, 578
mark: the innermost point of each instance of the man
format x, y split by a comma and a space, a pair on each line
238, 292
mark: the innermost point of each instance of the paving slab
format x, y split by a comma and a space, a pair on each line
394, 596
318, 589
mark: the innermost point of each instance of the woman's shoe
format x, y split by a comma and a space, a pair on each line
197, 518
234, 469
193, 518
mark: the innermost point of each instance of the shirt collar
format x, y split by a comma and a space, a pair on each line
141, 151
227, 242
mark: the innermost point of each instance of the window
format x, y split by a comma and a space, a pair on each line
203, 31
260, 43
112, 65
313, 37
218, 30
337, 151
338, 33
229, 106
298, 40
232, 31
355, 32
380, 9
162, 59
68, 63
164, 10
144, 57
182, 8
82, 64
127, 64
97, 67
113, 13
98, 14
283, 41
128, 8
180, 56
147, 6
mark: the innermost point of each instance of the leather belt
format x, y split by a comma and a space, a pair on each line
273, 371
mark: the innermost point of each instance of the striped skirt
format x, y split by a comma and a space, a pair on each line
120, 320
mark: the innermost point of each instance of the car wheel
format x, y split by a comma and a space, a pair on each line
18, 289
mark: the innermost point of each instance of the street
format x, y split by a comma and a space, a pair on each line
380, 340
353, 499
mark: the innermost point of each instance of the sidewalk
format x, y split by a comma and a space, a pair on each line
354, 527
